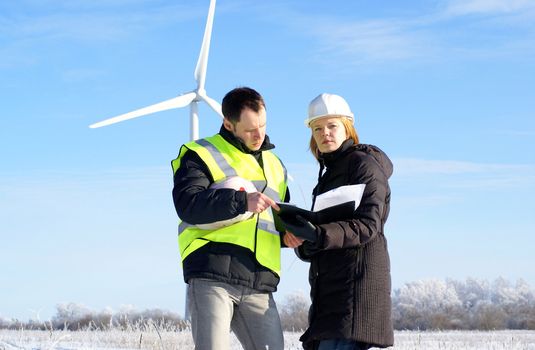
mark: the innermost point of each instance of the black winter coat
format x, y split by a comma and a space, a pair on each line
223, 262
350, 266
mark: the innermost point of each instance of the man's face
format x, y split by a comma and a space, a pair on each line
251, 128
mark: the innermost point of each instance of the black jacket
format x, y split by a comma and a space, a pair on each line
350, 266
218, 261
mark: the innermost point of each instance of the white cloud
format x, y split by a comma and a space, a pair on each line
66, 182
408, 202
426, 37
451, 174
81, 75
470, 7
90, 24
519, 133
415, 166
26, 28
429, 172
430, 188
369, 41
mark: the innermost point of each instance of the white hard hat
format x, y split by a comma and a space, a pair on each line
327, 105
236, 183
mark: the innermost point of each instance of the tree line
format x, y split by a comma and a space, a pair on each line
472, 304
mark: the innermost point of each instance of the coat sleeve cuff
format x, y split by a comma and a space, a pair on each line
241, 200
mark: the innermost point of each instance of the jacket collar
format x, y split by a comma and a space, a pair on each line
236, 142
328, 159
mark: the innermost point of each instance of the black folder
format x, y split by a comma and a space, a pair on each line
338, 212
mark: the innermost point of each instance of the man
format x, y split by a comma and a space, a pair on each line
232, 270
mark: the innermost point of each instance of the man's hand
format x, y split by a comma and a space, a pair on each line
257, 202
291, 241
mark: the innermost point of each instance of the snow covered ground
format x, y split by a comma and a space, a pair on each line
166, 340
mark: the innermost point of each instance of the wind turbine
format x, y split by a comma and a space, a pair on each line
191, 98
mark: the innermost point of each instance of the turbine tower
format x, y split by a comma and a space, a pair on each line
191, 98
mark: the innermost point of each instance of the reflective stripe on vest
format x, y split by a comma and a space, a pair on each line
218, 157
267, 226
258, 233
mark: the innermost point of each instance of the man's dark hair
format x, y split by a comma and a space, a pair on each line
238, 99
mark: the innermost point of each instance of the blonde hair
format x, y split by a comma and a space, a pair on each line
351, 133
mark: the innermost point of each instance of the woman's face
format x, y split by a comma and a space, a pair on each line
329, 133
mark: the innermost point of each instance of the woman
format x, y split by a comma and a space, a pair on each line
349, 263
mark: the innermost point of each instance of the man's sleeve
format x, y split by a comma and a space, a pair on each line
195, 202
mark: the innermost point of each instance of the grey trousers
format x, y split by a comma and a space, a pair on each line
217, 308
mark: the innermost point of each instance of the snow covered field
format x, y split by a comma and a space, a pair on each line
166, 340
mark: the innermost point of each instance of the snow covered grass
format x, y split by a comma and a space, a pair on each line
465, 340
171, 340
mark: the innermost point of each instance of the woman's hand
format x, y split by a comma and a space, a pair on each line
291, 241
302, 228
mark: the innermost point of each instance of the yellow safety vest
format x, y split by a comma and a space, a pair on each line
258, 234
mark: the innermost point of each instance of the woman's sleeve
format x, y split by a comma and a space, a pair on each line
368, 217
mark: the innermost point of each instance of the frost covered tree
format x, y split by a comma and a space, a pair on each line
74, 316
425, 305
294, 312
429, 304
473, 304
5, 322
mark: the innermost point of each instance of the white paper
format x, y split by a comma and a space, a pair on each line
340, 195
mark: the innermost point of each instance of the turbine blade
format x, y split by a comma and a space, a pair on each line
202, 62
213, 104
176, 102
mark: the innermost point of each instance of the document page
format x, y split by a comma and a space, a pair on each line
335, 205
340, 195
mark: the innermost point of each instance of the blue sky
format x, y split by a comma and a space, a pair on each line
445, 87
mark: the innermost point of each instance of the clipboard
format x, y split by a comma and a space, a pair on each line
338, 212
